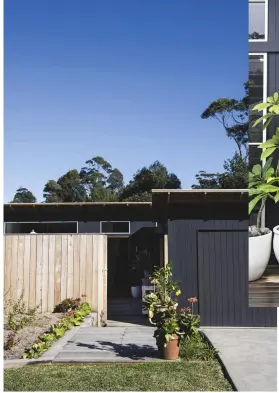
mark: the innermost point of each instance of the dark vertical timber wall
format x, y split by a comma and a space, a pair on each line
271, 47
210, 259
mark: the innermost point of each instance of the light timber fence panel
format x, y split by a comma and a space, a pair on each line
48, 268
51, 272
76, 243
26, 268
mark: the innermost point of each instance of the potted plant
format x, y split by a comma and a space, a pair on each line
173, 326
260, 239
165, 294
269, 147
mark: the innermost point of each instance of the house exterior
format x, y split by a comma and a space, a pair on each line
203, 232
264, 80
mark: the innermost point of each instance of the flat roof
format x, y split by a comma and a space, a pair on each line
165, 197
78, 204
201, 191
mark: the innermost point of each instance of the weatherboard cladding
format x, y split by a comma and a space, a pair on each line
210, 259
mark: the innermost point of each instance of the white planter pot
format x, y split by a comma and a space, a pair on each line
259, 255
276, 242
136, 291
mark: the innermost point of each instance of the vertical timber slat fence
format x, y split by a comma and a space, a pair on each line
48, 268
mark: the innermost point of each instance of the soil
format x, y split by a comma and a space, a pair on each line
27, 336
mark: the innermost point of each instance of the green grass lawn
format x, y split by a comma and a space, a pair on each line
172, 376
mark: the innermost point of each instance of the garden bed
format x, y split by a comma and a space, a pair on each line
28, 335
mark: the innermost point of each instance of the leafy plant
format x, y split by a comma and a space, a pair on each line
183, 324
197, 348
166, 291
68, 304
261, 187
264, 181
72, 318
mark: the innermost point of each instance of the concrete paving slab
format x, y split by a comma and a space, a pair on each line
249, 356
110, 344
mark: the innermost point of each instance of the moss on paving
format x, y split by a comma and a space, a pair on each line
173, 376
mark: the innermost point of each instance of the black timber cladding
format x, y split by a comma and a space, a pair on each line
78, 212
209, 253
271, 48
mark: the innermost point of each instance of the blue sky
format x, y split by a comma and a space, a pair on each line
123, 79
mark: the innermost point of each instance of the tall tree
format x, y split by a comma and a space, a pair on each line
68, 188
155, 176
23, 195
234, 177
101, 181
233, 115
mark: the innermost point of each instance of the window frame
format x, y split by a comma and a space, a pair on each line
115, 233
265, 39
264, 55
38, 222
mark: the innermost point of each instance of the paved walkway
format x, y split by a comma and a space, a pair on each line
249, 355
110, 344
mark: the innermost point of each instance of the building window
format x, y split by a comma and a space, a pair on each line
40, 227
257, 94
258, 20
115, 227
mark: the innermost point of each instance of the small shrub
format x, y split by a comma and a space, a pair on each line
20, 315
67, 305
11, 341
196, 348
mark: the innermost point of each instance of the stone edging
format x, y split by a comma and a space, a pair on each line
48, 356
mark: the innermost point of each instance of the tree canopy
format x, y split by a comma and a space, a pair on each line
233, 115
23, 195
98, 181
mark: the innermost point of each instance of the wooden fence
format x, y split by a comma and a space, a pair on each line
52, 267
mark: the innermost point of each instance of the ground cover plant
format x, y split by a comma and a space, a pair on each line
28, 333
175, 376
22, 325
69, 319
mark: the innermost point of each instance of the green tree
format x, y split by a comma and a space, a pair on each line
23, 195
68, 188
156, 176
234, 177
233, 115
101, 181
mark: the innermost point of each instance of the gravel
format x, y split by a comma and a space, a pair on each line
253, 231
27, 336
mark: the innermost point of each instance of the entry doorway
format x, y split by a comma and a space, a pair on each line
130, 261
118, 267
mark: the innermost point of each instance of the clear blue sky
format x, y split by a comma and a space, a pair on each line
123, 79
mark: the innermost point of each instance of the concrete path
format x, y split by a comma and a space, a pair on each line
110, 344
249, 355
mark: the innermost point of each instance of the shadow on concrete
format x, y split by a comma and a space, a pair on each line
131, 351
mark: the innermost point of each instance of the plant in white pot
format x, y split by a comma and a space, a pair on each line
269, 147
260, 239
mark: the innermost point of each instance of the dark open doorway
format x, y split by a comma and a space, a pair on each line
130, 261
118, 267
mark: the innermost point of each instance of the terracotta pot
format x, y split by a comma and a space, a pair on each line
171, 350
